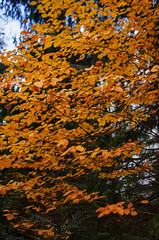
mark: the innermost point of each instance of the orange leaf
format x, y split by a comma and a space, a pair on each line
120, 211
54, 81
126, 211
80, 148
106, 212
9, 216
50, 233
101, 214
8, 106
105, 154
99, 64
155, 68
63, 142
16, 226
86, 198
144, 201
40, 232
130, 205
33, 3
133, 213
118, 89
25, 21
38, 84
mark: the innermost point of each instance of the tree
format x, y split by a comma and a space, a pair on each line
20, 10
67, 126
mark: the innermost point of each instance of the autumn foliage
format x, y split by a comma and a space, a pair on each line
64, 123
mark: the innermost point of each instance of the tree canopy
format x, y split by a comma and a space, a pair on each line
79, 144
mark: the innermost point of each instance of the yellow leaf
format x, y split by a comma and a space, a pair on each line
80, 148
33, 3
48, 44
155, 68
88, 69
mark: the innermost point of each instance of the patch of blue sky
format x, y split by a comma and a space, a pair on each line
10, 30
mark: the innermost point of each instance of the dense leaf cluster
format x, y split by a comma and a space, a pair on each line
79, 140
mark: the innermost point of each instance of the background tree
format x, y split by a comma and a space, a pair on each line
20, 10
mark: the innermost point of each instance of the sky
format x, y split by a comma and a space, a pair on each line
10, 28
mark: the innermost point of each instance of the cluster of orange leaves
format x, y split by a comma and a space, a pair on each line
35, 135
